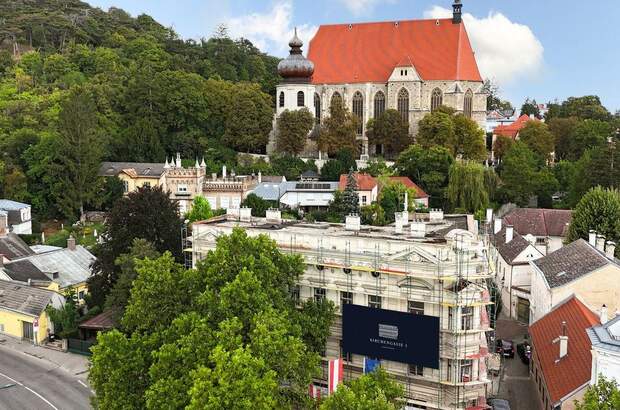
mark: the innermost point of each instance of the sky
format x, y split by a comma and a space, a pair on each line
547, 50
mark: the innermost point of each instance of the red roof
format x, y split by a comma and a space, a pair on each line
539, 222
512, 130
369, 52
103, 321
410, 184
365, 182
573, 370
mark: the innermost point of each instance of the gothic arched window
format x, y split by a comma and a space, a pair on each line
379, 104
403, 104
300, 99
467, 103
335, 96
436, 99
317, 108
358, 111
281, 99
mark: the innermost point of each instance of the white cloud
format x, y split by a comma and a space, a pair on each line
358, 7
272, 30
505, 50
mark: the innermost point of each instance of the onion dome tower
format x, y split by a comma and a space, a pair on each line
296, 69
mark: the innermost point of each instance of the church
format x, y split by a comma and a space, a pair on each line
413, 66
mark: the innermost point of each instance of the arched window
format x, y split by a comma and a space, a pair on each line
436, 99
379, 104
300, 99
358, 111
335, 96
317, 108
403, 104
281, 99
467, 103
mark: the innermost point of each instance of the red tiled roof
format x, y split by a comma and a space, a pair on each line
406, 181
539, 222
369, 52
365, 182
102, 321
512, 130
573, 370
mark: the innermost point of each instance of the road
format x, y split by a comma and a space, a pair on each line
28, 383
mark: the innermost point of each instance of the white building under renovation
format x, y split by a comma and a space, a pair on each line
434, 267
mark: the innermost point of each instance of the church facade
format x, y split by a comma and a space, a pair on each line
411, 66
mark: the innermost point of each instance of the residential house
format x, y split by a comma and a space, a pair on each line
134, 175
548, 226
561, 359
510, 254
511, 130
580, 268
500, 117
16, 217
605, 339
367, 187
22, 310
307, 195
421, 197
104, 321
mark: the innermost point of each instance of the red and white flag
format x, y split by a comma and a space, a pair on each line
335, 375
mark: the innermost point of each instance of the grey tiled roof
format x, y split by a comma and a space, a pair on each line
143, 169
22, 269
13, 247
600, 337
73, 267
512, 249
23, 298
269, 191
570, 263
8, 205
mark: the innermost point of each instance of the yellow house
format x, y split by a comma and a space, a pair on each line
134, 174
22, 311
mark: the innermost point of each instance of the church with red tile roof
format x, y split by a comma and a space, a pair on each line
412, 66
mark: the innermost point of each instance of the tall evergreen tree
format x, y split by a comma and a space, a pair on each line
350, 197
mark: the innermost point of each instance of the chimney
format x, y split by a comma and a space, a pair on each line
224, 171
600, 242
435, 215
260, 177
489, 215
71, 243
604, 317
456, 12
592, 237
274, 215
398, 222
418, 229
498, 225
563, 341
352, 223
610, 249
509, 233
245, 214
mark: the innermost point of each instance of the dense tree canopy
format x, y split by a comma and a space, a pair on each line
375, 390
292, 130
467, 192
339, 130
459, 134
536, 135
389, 130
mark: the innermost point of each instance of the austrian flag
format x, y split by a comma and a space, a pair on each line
335, 374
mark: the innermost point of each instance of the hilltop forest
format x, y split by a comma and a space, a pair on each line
77, 82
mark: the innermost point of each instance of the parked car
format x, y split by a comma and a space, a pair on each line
525, 352
499, 404
505, 347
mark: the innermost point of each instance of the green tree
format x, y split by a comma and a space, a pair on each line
292, 130
587, 134
437, 128
375, 390
392, 199
429, 168
470, 138
342, 163
598, 210
530, 107
132, 217
290, 166
378, 167
536, 135
604, 395
201, 210
466, 188
588, 107
562, 130
501, 146
65, 318
339, 130
519, 172
389, 130
259, 205
80, 150
350, 197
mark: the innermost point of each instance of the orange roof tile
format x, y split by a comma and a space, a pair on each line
573, 370
512, 130
406, 181
365, 182
369, 52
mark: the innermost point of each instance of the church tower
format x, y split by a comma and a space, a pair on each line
295, 91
